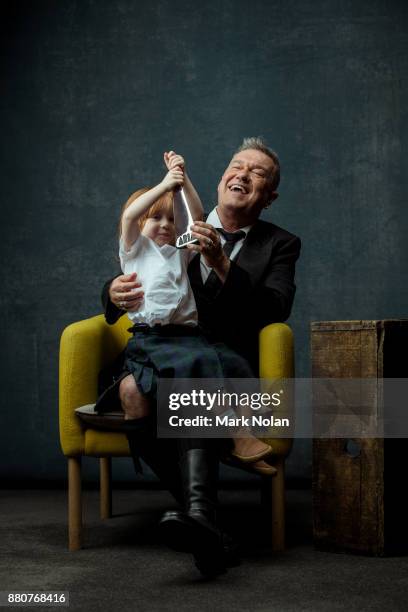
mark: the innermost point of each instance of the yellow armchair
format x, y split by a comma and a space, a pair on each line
88, 346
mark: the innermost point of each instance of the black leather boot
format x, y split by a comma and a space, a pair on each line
160, 455
195, 529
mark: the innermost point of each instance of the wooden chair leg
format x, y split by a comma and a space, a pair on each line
278, 508
74, 503
105, 487
273, 500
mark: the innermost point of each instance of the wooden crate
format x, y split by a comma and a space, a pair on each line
359, 484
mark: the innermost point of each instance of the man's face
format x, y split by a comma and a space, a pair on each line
246, 183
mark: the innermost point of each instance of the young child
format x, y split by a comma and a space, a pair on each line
167, 341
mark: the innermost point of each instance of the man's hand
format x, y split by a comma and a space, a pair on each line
210, 247
125, 292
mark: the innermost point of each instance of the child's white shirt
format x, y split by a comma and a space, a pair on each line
162, 272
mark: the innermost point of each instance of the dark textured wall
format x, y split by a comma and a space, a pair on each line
94, 91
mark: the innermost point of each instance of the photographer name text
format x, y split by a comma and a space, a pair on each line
254, 420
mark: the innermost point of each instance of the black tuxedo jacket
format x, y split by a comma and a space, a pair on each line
259, 290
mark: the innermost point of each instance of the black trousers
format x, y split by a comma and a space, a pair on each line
216, 445
163, 454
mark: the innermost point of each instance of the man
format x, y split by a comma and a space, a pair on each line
243, 279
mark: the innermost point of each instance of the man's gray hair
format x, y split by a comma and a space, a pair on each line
258, 143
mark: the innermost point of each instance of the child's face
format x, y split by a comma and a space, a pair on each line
160, 228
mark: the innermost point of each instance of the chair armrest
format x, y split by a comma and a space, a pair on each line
86, 347
276, 354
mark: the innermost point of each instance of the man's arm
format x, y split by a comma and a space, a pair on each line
112, 313
119, 295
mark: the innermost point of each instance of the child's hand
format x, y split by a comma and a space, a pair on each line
174, 178
172, 160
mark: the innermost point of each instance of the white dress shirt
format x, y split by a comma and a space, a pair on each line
162, 272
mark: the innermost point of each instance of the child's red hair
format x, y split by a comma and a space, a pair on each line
165, 202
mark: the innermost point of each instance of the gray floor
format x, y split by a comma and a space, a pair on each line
124, 567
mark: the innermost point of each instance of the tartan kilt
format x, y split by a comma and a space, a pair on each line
173, 351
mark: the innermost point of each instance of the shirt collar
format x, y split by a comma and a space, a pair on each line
213, 219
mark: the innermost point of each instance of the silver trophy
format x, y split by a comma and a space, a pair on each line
182, 219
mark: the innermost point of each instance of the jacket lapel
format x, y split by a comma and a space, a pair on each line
256, 250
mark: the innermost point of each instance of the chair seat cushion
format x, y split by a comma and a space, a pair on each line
106, 444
